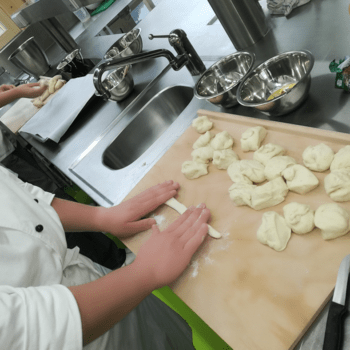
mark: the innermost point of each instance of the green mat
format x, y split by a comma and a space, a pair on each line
102, 7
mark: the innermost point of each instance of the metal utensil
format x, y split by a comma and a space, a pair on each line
334, 328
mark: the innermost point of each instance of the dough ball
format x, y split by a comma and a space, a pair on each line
337, 185
241, 193
193, 170
203, 140
318, 158
270, 194
224, 158
235, 174
274, 231
202, 124
341, 159
332, 220
251, 139
299, 217
275, 166
300, 179
222, 140
253, 170
203, 154
268, 151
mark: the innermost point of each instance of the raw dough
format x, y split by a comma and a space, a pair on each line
235, 174
222, 140
318, 158
299, 217
249, 168
274, 231
270, 194
224, 158
300, 179
341, 159
203, 154
203, 140
202, 124
337, 185
180, 208
193, 170
333, 220
275, 166
241, 193
268, 151
53, 82
251, 139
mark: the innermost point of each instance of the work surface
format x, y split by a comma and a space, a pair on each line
251, 295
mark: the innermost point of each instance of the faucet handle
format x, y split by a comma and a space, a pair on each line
170, 36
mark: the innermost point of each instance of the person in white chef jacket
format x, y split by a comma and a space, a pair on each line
52, 297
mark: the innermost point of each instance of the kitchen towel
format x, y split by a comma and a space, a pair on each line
54, 119
284, 7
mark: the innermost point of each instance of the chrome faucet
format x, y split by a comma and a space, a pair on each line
187, 56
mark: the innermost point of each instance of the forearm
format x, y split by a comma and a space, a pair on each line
104, 302
9, 96
76, 217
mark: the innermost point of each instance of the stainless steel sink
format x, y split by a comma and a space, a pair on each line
148, 125
138, 136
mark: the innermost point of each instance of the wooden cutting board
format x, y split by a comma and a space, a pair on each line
249, 294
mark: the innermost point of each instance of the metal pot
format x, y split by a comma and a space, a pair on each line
30, 58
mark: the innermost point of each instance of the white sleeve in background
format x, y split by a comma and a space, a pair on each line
39, 318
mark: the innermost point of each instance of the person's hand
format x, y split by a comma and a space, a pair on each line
6, 87
166, 254
31, 90
123, 220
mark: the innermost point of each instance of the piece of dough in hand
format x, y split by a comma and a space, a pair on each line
275, 166
274, 231
268, 151
341, 159
332, 220
203, 154
299, 217
318, 158
337, 185
300, 179
222, 159
202, 124
222, 140
251, 139
203, 140
193, 170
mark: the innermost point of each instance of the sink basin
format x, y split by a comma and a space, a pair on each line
147, 126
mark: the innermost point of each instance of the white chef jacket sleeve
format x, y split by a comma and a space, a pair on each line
37, 192
38, 318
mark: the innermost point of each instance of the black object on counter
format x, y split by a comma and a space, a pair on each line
333, 339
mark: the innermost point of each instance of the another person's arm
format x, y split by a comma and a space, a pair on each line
30, 90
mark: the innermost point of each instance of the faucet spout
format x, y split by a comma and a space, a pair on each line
175, 62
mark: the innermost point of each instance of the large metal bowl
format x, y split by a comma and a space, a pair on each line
279, 85
219, 83
129, 44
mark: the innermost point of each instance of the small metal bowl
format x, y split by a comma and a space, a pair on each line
129, 44
288, 72
118, 85
219, 83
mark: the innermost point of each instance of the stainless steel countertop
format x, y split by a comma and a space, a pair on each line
320, 26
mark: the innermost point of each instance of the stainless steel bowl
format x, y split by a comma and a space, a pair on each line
119, 83
219, 83
129, 44
261, 88
30, 58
